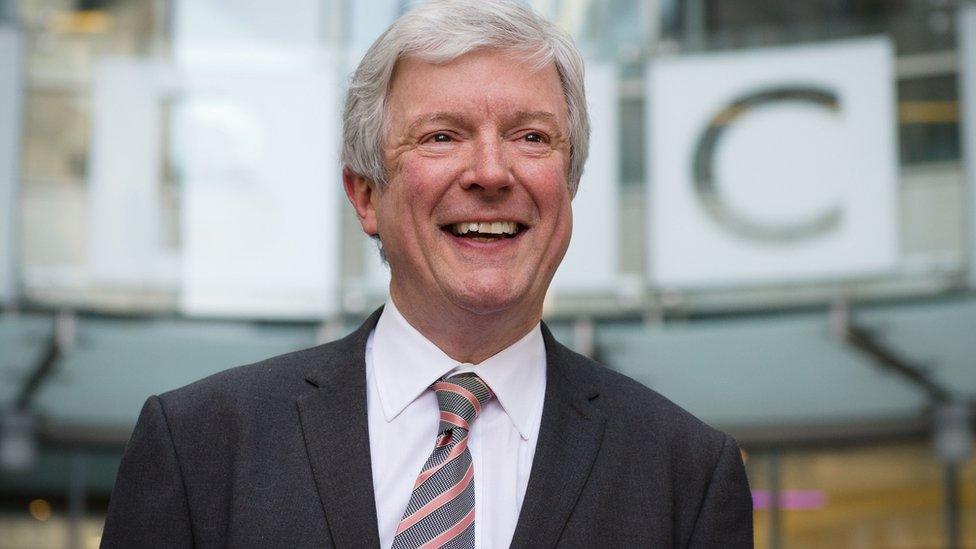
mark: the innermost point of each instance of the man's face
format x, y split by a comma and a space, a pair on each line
477, 211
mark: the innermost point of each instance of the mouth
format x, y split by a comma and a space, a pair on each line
485, 231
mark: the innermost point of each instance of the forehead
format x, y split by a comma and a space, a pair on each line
488, 81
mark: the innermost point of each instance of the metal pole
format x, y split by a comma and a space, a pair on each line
966, 40
871, 345
954, 446
694, 23
773, 477
12, 76
952, 522
62, 338
76, 500
584, 337
650, 14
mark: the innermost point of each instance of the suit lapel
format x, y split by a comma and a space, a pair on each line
336, 431
569, 438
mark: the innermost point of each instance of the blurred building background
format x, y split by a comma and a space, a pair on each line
776, 229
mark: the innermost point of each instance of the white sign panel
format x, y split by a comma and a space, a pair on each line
367, 21
126, 246
10, 94
591, 264
261, 189
247, 33
773, 165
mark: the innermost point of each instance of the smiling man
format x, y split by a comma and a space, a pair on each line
451, 418
477, 215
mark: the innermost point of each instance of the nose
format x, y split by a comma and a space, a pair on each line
489, 169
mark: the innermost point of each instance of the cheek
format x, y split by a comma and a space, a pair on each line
422, 180
547, 185
554, 203
406, 189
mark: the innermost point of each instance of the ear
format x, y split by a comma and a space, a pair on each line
361, 192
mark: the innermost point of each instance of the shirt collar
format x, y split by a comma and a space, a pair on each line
405, 364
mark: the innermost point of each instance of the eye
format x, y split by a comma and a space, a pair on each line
440, 137
534, 137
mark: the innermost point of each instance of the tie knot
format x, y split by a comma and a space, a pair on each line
460, 398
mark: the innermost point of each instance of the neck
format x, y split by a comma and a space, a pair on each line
466, 336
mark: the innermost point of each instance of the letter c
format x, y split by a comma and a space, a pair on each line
704, 172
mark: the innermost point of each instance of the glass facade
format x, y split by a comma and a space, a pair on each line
827, 384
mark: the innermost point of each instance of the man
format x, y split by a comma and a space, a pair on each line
451, 417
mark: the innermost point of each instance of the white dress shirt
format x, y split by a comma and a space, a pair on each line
401, 364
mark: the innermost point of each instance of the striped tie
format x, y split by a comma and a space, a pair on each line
441, 508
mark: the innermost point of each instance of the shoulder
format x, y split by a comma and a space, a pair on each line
273, 382
651, 442
264, 390
637, 408
268, 378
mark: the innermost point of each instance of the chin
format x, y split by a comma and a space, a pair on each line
488, 301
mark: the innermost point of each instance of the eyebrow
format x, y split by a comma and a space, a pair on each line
457, 119
442, 116
537, 115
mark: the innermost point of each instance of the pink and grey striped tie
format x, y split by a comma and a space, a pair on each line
441, 508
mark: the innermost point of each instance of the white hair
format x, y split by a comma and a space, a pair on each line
439, 32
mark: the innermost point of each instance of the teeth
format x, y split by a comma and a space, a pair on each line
489, 227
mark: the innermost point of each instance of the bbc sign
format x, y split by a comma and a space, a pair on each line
772, 166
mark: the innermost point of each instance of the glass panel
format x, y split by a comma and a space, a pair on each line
632, 141
880, 496
929, 119
749, 23
64, 41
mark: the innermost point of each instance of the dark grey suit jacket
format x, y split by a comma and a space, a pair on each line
276, 454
